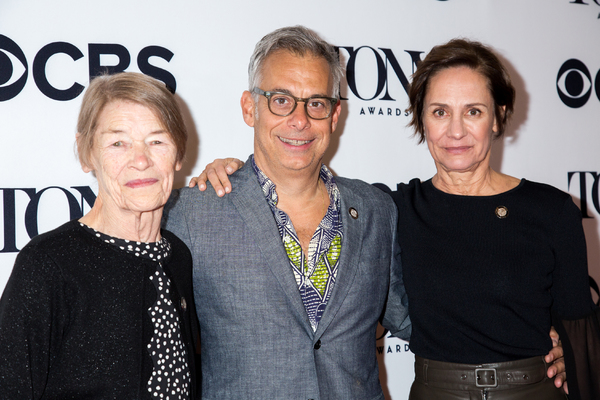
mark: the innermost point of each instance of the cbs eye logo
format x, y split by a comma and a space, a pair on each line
574, 83
14, 69
12, 60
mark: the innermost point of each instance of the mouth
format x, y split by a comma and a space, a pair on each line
457, 150
138, 183
292, 142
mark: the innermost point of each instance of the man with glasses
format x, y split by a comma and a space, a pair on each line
293, 268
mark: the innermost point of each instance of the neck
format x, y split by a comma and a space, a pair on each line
477, 183
294, 186
469, 183
124, 224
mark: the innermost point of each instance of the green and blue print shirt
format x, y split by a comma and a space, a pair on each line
316, 272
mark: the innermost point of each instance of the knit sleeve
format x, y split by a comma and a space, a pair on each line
395, 316
32, 319
575, 316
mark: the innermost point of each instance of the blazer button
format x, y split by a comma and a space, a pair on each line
183, 304
318, 344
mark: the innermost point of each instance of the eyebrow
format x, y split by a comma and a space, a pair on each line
466, 105
116, 131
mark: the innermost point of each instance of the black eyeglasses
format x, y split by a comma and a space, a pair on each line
283, 104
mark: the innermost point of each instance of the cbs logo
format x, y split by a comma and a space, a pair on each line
14, 69
574, 83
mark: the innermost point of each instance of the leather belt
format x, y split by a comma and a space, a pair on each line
480, 376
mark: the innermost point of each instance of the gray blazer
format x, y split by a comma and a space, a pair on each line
256, 339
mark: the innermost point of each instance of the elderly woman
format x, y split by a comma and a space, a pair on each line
490, 261
102, 307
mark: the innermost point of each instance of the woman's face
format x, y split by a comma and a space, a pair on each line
459, 120
133, 157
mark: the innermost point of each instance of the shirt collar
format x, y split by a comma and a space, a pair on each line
269, 188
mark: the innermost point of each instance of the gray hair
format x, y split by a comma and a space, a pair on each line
298, 40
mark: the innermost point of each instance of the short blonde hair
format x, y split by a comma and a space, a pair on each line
134, 87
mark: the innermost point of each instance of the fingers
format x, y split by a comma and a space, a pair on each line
557, 368
193, 182
561, 380
200, 180
554, 336
233, 164
566, 387
219, 180
217, 173
555, 354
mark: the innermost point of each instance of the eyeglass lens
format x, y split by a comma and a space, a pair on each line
281, 104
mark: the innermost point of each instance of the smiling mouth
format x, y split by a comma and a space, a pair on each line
137, 183
295, 142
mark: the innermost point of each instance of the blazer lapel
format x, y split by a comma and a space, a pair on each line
349, 256
250, 202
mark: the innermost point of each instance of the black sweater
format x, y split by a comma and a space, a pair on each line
483, 288
74, 321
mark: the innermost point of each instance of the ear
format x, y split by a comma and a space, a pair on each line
84, 166
248, 107
178, 165
495, 127
337, 109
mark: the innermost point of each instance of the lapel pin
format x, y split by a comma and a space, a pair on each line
501, 212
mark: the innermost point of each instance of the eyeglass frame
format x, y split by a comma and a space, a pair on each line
268, 95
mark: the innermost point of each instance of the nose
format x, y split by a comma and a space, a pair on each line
457, 127
299, 119
140, 157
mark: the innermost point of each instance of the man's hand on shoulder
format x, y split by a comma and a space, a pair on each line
217, 173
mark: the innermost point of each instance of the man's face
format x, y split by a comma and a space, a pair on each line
295, 143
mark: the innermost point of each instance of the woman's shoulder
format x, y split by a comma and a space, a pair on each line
413, 185
64, 234
542, 192
414, 188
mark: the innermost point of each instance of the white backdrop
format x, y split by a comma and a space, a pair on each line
47, 47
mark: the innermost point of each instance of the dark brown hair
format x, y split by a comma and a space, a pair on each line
462, 53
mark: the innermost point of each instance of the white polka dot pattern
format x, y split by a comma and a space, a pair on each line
171, 375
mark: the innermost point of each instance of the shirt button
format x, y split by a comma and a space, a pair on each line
318, 344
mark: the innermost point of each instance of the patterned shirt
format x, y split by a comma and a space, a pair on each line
316, 272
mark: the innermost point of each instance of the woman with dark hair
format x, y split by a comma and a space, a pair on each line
102, 307
490, 262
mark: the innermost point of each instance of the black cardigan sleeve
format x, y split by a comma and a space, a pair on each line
33, 314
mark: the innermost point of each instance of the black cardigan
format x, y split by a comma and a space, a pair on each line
72, 318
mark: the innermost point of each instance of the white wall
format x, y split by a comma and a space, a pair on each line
211, 43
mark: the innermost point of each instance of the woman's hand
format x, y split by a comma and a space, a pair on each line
557, 369
217, 173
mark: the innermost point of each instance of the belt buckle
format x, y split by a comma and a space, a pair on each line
484, 372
